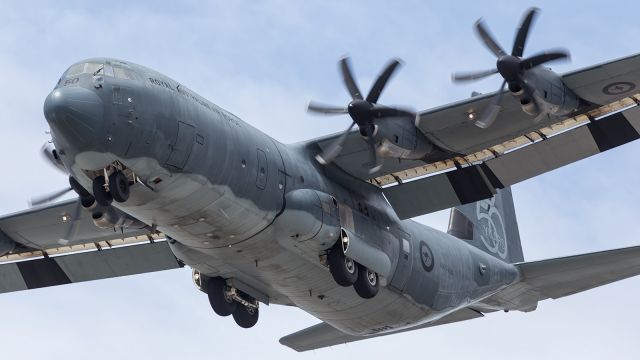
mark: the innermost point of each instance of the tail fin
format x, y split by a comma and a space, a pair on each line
490, 225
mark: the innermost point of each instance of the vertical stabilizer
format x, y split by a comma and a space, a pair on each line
489, 225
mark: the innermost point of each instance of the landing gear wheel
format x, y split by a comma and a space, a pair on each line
222, 304
245, 316
119, 186
100, 193
343, 269
367, 285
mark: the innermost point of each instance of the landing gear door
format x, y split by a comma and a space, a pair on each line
405, 260
181, 149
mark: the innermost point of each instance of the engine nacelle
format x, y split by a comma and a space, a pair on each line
400, 139
364, 253
51, 154
548, 95
310, 220
6, 244
109, 218
529, 106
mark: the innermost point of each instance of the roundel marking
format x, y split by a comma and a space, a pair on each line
491, 227
618, 88
426, 257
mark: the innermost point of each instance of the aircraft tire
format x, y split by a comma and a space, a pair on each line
245, 317
102, 196
220, 303
343, 269
368, 284
119, 186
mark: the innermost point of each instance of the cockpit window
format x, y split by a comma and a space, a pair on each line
74, 70
122, 73
93, 68
100, 69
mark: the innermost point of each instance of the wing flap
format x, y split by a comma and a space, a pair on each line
87, 266
324, 335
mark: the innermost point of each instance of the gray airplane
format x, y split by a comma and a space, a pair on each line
167, 179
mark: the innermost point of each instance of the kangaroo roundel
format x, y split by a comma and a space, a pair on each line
491, 227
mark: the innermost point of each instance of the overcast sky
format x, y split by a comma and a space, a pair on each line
263, 63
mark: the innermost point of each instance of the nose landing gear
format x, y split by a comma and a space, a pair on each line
114, 187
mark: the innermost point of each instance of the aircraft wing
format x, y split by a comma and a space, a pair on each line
513, 149
559, 277
323, 334
39, 259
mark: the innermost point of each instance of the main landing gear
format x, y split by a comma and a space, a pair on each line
226, 300
346, 272
116, 188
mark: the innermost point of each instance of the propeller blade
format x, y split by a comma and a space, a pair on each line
373, 163
347, 76
487, 39
523, 32
325, 109
49, 153
335, 148
539, 59
42, 199
471, 76
381, 81
381, 111
490, 114
73, 225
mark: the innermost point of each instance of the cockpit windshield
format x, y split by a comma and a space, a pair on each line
96, 68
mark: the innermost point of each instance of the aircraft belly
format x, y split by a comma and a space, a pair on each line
265, 265
187, 206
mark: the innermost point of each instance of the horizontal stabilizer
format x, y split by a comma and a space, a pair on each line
323, 334
555, 278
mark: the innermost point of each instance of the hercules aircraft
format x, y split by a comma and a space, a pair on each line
166, 178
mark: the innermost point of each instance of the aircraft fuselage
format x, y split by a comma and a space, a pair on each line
236, 203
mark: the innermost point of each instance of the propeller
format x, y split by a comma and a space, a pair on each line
43, 199
511, 67
51, 155
363, 112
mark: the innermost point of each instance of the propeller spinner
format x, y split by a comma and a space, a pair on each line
511, 67
363, 112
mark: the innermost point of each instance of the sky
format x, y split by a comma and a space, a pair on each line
264, 61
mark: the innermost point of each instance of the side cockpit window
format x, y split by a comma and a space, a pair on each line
123, 73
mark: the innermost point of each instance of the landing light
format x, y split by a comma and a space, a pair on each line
65, 218
471, 115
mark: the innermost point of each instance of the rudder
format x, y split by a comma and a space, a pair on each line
490, 225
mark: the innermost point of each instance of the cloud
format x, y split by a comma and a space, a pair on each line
263, 61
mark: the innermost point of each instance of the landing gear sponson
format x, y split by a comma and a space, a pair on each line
346, 272
226, 300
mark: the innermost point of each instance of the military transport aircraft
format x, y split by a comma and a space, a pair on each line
166, 178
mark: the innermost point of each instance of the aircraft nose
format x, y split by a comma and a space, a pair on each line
75, 113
